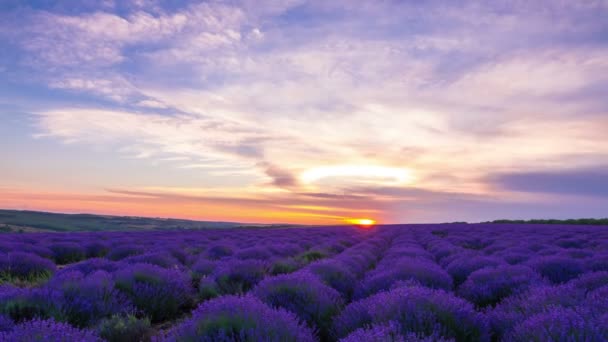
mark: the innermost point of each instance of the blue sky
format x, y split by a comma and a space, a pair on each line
305, 111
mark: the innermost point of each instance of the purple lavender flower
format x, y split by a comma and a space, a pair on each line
83, 301
124, 251
28, 303
557, 269
25, 266
423, 271
202, 268
159, 292
335, 274
238, 276
6, 323
219, 251
257, 253
303, 294
47, 331
67, 252
233, 318
560, 324
390, 332
461, 267
162, 259
490, 285
416, 309
91, 265
516, 309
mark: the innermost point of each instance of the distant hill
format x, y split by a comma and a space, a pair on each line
582, 221
31, 221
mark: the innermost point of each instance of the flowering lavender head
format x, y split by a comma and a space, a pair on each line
257, 253
85, 300
285, 249
67, 252
158, 292
47, 331
129, 328
284, 266
461, 267
162, 259
490, 285
232, 318
598, 263
96, 249
516, 309
238, 276
202, 268
423, 271
25, 266
304, 294
219, 251
556, 268
27, 303
416, 309
91, 265
390, 332
560, 324
335, 274
207, 288
6, 323
124, 251
590, 281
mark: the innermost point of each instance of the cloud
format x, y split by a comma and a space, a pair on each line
280, 177
155, 135
269, 89
579, 182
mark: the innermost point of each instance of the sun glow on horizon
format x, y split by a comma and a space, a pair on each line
364, 222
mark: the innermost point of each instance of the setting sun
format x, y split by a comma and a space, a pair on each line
361, 222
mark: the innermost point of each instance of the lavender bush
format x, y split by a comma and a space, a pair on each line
158, 292
232, 318
47, 331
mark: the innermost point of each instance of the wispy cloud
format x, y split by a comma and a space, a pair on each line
270, 90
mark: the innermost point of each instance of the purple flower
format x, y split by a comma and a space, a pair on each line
557, 269
335, 274
162, 259
67, 252
303, 294
25, 266
84, 301
422, 271
158, 292
6, 323
257, 253
238, 276
202, 268
47, 331
121, 252
560, 324
518, 308
91, 265
461, 267
390, 332
490, 285
233, 318
416, 309
219, 251
26, 304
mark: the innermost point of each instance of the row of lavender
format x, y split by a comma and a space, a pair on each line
400, 283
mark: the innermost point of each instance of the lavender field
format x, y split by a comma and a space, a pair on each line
452, 282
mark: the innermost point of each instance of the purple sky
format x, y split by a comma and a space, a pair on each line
305, 111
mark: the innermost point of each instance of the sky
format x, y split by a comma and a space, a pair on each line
305, 111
